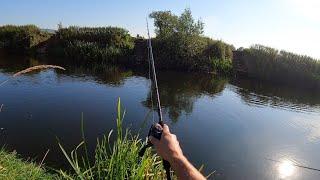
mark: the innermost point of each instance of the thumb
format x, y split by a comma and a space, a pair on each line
154, 140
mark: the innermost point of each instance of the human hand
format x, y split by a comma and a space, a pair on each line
168, 146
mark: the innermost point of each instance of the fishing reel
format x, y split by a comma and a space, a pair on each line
156, 131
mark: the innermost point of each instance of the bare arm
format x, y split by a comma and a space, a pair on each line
169, 149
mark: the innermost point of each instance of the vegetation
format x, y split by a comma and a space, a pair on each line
180, 44
117, 161
281, 66
11, 167
21, 38
102, 44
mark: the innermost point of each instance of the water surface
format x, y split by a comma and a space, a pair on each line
240, 128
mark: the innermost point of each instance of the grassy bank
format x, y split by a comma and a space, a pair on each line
281, 66
113, 159
12, 167
117, 160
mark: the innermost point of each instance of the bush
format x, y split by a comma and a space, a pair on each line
95, 44
222, 66
281, 66
180, 45
21, 38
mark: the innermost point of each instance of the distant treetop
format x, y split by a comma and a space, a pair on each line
167, 23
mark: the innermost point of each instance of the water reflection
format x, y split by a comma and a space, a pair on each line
286, 169
260, 93
236, 119
179, 91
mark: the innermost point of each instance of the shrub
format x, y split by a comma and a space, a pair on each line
21, 38
281, 66
180, 45
95, 44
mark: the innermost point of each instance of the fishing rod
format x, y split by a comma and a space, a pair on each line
155, 130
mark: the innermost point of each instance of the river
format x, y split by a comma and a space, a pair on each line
238, 127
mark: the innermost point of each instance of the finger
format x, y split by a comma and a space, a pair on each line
166, 128
154, 140
158, 126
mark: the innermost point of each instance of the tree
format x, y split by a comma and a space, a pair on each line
167, 23
188, 26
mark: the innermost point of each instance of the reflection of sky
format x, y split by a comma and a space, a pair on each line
286, 169
241, 136
310, 126
223, 132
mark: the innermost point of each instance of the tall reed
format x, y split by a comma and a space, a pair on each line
280, 66
114, 160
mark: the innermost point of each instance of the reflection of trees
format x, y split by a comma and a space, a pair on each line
263, 93
178, 91
13, 63
101, 73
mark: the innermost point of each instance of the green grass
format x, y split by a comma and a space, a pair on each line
117, 160
112, 160
12, 167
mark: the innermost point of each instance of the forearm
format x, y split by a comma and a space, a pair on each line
184, 169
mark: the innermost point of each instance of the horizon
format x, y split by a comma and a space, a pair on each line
285, 25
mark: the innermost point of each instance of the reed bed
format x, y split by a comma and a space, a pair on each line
280, 66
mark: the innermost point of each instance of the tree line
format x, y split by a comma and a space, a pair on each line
179, 45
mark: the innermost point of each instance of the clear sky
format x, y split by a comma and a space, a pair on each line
292, 25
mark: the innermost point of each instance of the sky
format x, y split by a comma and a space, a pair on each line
292, 25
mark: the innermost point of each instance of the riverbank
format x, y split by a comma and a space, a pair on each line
12, 167
116, 157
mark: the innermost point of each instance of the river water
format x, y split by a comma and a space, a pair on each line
239, 128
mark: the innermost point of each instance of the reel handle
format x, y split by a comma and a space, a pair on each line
156, 132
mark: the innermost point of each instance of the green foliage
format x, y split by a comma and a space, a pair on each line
222, 66
21, 38
281, 66
11, 167
180, 45
95, 44
117, 160
104, 36
168, 24
81, 50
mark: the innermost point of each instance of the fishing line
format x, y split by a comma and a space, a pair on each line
294, 164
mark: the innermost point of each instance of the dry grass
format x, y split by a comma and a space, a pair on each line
40, 67
33, 68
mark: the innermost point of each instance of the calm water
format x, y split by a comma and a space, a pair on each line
231, 126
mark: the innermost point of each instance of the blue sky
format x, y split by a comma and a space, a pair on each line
292, 25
